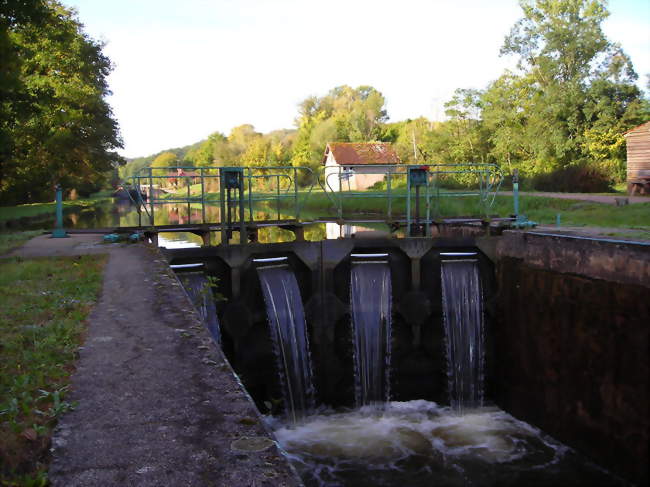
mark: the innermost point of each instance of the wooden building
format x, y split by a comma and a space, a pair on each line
638, 159
357, 166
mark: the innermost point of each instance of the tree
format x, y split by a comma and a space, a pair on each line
56, 125
345, 114
165, 159
574, 94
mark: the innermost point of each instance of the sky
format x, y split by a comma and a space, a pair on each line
186, 69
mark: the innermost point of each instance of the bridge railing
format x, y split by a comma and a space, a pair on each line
412, 194
277, 189
416, 192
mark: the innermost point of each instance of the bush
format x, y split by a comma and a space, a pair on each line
580, 178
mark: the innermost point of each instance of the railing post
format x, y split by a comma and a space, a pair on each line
408, 202
222, 206
59, 231
202, 197
277, 189
250, 194
242, 212
515, 192
427, 228
151, 216
296, 210
189, 199
390, 201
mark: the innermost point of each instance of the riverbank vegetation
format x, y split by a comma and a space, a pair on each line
558, 118
44, 303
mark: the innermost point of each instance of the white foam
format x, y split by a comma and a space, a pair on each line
399, 429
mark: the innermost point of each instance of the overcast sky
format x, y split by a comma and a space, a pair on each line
185, 69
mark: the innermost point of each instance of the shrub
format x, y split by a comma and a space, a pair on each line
579, 178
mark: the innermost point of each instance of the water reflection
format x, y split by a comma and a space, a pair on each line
121, 213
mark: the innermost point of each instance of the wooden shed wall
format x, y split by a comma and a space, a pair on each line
638, 151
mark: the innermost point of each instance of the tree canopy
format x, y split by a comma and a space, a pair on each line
565, 106
56, 126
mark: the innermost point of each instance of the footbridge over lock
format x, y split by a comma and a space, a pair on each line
231, 204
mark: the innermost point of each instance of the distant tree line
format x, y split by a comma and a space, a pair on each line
559, 118
55, 124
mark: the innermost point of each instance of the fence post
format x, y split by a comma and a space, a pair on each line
59, 231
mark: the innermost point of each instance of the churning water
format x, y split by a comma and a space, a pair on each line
463, 317
199, 290
370, 297
419, 443
288, 330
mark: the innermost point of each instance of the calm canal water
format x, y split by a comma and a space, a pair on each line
113, 214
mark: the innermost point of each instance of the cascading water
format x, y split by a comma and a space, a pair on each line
199, 289
463, 318
370, 295
289, 335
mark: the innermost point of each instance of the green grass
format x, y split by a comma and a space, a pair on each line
33, 210
540, 209
585, 213
44, 305
11, 240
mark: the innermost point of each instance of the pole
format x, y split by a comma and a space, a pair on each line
59, 231
222, 206
151, 216
243, 238
202, 197
515, 192
408, 202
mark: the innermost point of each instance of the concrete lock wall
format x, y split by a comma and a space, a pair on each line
571, 343
566, 329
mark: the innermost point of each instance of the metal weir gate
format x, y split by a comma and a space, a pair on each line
241, 199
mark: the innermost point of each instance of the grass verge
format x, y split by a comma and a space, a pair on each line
543, 210
11, 240
44, 303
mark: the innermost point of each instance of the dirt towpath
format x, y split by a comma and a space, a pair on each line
158, 404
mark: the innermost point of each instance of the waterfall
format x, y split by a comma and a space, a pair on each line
198, 288
289, 335
370, 297
463, 318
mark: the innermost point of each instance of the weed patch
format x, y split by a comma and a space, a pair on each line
44, 305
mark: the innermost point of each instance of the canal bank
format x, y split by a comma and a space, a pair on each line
157, 403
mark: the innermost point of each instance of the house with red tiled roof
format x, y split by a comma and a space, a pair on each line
357, 165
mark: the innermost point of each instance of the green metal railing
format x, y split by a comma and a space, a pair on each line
155, 186
417, 185
237, 191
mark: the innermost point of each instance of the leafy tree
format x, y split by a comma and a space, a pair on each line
574, 94
56, 126
166, 159
345, 114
